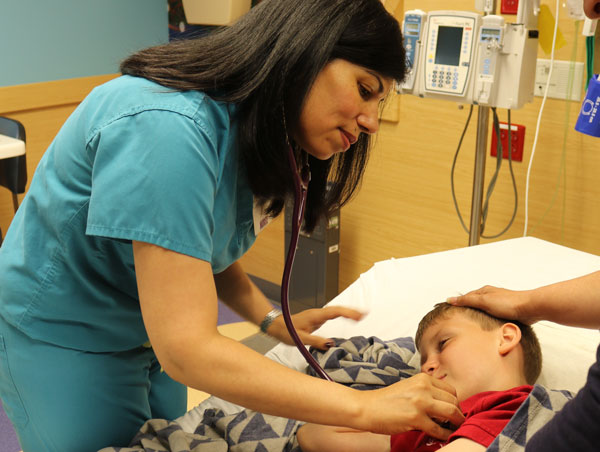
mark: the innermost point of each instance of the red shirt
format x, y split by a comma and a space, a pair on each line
486, 415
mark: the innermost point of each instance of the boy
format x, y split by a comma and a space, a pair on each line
491, 363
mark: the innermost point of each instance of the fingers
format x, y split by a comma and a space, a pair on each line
332, 312
504, 303
312, 319
474, 298
417, 403
434, 429
446, 391
437, 390
318, 342
449, 414
307, 321
443, 403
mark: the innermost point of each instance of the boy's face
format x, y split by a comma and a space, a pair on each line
457, 350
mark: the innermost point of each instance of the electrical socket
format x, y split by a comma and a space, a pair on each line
509, 7
559, 83
517, 135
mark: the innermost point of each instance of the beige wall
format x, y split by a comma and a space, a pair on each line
404, 207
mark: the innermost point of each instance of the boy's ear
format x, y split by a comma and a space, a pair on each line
510, 337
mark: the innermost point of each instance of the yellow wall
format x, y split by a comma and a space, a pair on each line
405, 206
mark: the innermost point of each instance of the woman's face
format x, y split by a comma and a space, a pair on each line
342, 103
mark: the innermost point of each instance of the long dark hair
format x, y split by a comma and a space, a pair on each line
266, 64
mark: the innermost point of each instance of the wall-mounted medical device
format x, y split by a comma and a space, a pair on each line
466, 57
414, 26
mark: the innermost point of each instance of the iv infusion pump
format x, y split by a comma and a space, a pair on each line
466, 57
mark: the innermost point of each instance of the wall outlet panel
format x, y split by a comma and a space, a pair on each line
517, 136
559, 83
509, 7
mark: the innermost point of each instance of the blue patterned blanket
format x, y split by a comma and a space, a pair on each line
359, 362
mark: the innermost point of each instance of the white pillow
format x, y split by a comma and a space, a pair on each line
568, 354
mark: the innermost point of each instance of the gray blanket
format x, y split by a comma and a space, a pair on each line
359, 362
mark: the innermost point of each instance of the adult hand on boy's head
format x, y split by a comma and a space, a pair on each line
502, 303
417, 403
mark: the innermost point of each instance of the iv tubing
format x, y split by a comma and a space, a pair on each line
300, 189
537, 128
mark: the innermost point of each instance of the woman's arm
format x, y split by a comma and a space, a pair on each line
575, 302
237, 291
178, 301
326, 438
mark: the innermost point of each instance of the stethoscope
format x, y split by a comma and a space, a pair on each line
301, 180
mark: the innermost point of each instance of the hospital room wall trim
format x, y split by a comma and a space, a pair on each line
35, 96
42, 108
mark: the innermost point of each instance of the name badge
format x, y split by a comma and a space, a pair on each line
261, 218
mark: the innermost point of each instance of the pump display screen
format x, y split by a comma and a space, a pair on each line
449, 42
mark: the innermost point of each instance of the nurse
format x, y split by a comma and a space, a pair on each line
142, 205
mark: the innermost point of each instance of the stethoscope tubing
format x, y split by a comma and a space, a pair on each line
300, 192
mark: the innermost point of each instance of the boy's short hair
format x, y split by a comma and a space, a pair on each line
532, 353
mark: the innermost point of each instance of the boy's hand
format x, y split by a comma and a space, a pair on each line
417, 403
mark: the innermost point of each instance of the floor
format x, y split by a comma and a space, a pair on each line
230, 325
8, 439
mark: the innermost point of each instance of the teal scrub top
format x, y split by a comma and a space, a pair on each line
135, 161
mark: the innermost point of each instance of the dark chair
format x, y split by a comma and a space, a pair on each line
13, 170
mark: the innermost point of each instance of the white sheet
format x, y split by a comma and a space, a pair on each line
397, 293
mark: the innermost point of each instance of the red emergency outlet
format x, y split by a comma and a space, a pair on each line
517, 141
509, 7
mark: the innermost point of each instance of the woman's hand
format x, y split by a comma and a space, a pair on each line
307, 321
503, 303
417, 403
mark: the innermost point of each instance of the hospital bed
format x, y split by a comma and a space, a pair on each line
396, 293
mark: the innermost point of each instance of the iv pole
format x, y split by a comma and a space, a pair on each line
527, 15
483, 119
483, 116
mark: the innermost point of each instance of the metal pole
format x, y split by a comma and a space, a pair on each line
483, 116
